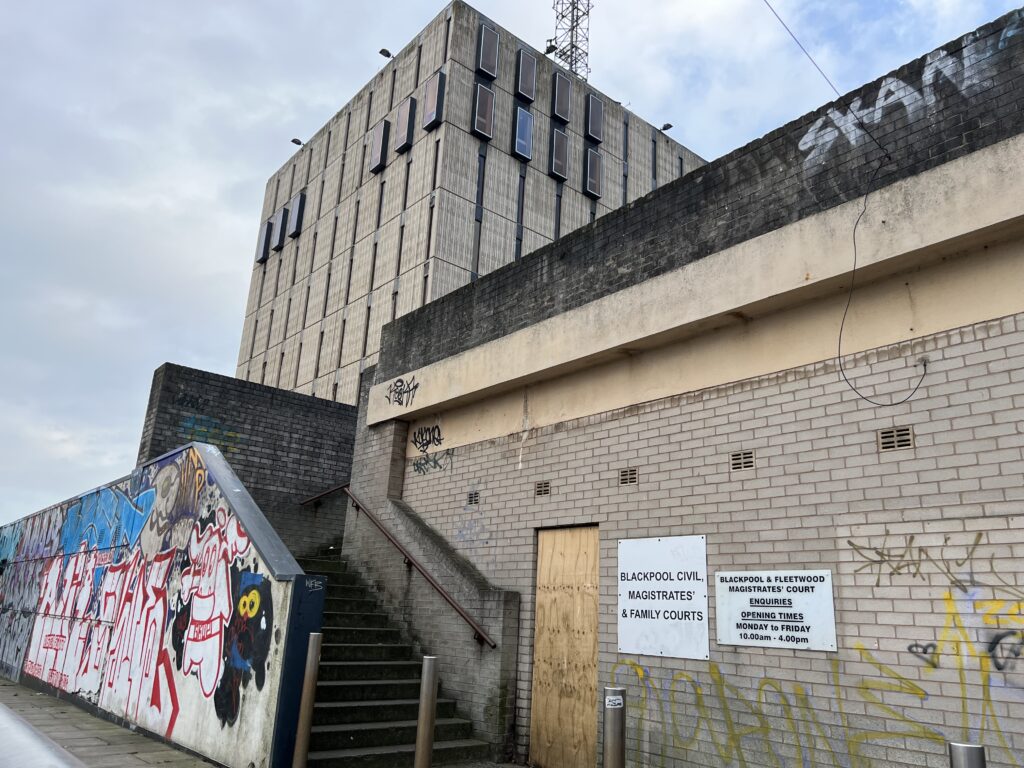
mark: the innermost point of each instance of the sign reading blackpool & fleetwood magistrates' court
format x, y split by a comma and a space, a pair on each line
663, 597
776, 609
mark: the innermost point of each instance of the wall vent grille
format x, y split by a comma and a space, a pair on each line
741, 460
629, 476
895, 439
542, 488
473, 498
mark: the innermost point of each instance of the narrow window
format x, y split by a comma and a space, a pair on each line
654, 160
520, 203
405, 184
327, 148
380, 204
287, 317
523, 145
270, 329
593, 174
341, 178
334, 235
373, 266
398, 258
366, 330
298, 361
348, 125
558, 211
334, 392
305, 308
416, 74
526, 76
433, 107
625, 161
280, 367
561, 97
369, 109
263, 245
255, 332
405, 122
379, 146
319, 351
327, 291
394, 302
341, 342
312, 253
433, 172
681, 167
280, 225
487, 52
483, 112
320, 200
263, 373
559, 154
426, 283
595, 118
447, 36
362, 164
391, 94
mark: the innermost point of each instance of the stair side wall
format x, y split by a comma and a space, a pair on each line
285, 447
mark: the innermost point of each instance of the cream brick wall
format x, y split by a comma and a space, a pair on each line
926, 548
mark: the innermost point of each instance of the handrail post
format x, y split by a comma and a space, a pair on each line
306, 703
427, 714
966, 755
614, 728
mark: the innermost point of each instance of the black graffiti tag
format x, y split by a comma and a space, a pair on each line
926, 652
1005, 649
425, 438
434, 462
402, 392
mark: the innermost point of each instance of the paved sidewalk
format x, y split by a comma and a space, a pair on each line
101, 744
96, 742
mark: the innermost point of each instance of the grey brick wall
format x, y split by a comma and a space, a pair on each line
960, 98
926, 547
481, 679
285, 447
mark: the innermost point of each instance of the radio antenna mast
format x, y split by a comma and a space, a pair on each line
571, 43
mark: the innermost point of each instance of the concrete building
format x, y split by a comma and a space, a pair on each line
467, 151
783, 510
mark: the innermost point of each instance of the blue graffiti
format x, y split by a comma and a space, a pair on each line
105, 519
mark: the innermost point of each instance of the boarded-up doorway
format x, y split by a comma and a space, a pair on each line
563, 716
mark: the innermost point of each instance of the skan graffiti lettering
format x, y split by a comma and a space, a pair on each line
139, 597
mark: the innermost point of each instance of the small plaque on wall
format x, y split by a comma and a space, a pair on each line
776, 609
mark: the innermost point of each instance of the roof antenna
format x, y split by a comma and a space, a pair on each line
571, 43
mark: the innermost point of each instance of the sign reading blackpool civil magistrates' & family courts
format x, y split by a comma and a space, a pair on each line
776, 609
663, 597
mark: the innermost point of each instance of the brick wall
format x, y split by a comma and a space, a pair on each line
955, 100
283, 446
481, 679
926, 548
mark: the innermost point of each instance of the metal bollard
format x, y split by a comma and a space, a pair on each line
428, 714
306, 703
966, 755
614, 728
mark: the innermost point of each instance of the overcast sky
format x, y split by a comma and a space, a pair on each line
137, 138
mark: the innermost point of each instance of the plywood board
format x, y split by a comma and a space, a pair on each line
563, 719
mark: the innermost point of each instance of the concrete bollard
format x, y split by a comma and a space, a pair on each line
428, 714
614, 727
306, 703
966, 755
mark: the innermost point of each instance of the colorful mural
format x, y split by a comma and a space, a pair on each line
147, 599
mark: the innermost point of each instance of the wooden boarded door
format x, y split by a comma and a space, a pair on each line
563, 716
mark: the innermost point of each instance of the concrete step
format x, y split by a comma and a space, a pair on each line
398, 756
386, 710
366, 652
354, 735
353, 604
322, 565
360, 635
352, 592
370, 670
366, 690
356, 618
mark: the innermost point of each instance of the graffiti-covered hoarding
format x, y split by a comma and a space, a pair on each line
148, 599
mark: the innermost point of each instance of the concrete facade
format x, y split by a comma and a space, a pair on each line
374, 246
284, 447
554, 370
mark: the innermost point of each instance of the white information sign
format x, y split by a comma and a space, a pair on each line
776, 609
663, 597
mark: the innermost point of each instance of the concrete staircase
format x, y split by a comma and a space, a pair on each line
368, 690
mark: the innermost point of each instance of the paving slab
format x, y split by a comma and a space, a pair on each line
94, 741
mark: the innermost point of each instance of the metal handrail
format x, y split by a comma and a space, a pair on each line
479, 634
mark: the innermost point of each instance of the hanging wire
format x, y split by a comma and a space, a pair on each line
856, 225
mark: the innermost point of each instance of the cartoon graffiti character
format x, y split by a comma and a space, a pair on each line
206, 587
246, 641
166, 527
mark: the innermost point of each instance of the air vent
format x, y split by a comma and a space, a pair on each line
895, 439
473, 498
543, 488
740, 460
629, 476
